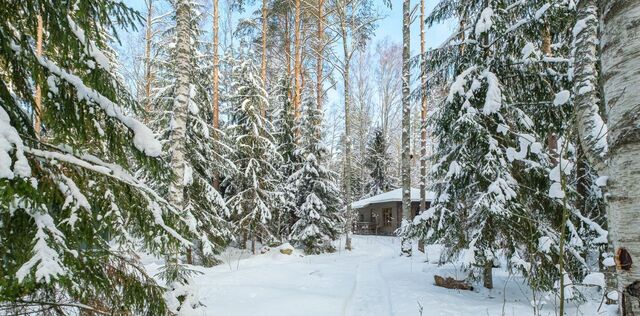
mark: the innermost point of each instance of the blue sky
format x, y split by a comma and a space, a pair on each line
390, 26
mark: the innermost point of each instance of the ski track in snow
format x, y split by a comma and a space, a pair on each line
370, 294
371, 280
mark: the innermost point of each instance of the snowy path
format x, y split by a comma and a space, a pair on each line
371, 280
370, 294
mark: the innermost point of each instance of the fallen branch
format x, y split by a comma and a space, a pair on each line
451, 283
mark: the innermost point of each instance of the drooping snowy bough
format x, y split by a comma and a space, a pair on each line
72, 209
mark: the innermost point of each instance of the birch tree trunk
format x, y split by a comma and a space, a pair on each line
423, 120
148, 36
177, 139
586, 103
406, 125
347, 131
620, 68
590, 125
423, 116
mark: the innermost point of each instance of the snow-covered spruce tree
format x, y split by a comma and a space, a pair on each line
543, 76
378, 164
492, 161
71, 213
252, 193
285, 130
319, 221
202, 151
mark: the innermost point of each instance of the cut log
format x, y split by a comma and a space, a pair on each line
451, 283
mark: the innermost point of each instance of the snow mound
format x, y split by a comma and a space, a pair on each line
594, 278
392, 196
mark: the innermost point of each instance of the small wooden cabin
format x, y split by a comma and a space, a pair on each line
382, 214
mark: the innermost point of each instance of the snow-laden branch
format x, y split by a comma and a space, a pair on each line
46, 259
116, 172
90, 47
10, 141
143, 139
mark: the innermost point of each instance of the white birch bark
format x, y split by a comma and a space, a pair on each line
148, 75
423, 114
585, 52
177, 139
406, 126
620, 47
347, 131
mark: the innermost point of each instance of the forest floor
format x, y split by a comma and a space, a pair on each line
371, 280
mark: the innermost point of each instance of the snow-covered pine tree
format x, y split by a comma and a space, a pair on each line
252, 193
204, 151
492, 161
378, 164
71, 213
319, 219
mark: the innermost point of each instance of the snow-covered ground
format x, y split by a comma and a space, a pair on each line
370, 280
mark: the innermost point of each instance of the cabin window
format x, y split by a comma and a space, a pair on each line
386, 216
361, 217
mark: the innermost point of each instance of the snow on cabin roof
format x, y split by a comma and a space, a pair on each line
391, 196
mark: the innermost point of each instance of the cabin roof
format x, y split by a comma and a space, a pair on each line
392, 196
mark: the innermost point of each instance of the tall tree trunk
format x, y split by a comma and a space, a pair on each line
263, 65
177, 139
406, 124
287, 46
590, 125
620, 67
37, 121
319, 51
347, 132
362, 117
585, 89
552, 139
487, 274
423, 116
423, 120
216, 65
148, 36
297, 66
215, 100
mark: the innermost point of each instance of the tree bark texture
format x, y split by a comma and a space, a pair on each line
263, 65
423, 114
585, 89
319, 52
37, 120
297, 66
620, 72
216, 65
347, 132
406, 124
178, 136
